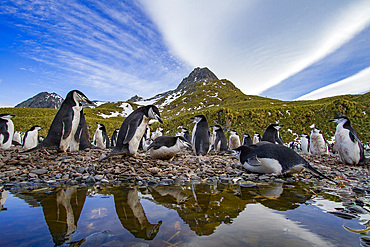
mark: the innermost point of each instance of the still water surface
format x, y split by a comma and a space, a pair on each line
263, 214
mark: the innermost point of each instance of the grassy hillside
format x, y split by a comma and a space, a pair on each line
222, 103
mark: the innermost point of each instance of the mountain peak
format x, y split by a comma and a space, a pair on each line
42, 100
197, 75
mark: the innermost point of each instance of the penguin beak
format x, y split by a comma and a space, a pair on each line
159, 119
332, 120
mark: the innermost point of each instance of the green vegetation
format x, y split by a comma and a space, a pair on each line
222, 103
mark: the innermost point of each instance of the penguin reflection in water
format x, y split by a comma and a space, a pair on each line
65, 123
349, 146
272, 159
132, 130
166, 147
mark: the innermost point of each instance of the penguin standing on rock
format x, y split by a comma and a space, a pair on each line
220, 142
305, 143
256, 138
31, 138
247, 140
65, 123
132, 130
17, 138
234, 140
272, 134
101, 139
349, 146
272, 159
318, 144
113, 139
200, 135
166, 147
6, 130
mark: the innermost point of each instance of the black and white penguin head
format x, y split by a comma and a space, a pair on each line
184, 130
240, 151
233, 132
277, 126
340, 120
246, 135
315, 131
305, 136
198, 118
257, 135
101, 126
78, 96
153, 113
6, 116
216, 127
35, 127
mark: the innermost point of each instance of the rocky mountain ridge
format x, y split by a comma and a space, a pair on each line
42, 100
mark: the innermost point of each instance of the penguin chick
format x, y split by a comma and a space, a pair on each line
347, 143
166, 147
234, 140
157, 133
6, 130
273, 159
318, 144
272, 134
31, 138
200, 135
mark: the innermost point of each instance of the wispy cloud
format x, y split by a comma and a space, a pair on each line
356, 84
110, 48
257, 44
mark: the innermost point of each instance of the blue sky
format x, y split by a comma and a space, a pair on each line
112, 50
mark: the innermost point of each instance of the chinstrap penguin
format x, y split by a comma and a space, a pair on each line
305, 144
234, 140
200, 135
6, 130
272, 134
272, 158
166, 147
256, 138
100, 138
31, 138
348, 144
113, 139
17, 138
132, 130
65, 123
157, 133
247, 140
220, 142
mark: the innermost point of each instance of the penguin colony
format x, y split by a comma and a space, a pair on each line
260, 155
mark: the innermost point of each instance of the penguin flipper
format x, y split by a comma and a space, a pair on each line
254, 161
131, 129
311, 168
67, 125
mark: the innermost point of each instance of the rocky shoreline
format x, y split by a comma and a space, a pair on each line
50, 168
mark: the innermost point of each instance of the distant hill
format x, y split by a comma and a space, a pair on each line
42, 100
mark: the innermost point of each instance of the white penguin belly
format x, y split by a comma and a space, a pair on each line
318, 145
349, 151
269, 166
8, 143
98, 137
64, 143
133, 144
164, 152
304, 146
31, 140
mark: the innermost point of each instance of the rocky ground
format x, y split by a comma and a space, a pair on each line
48, 167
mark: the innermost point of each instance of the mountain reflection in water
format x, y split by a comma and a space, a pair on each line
179, 215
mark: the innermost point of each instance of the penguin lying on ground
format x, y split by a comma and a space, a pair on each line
272, 134
272, 159
200, 135
318, 144
349, 146
6, 130
234, 140
65, 123
220, 142
101, 139
31, 138
132, 130
166, 147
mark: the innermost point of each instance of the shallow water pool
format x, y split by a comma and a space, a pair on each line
198, 214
